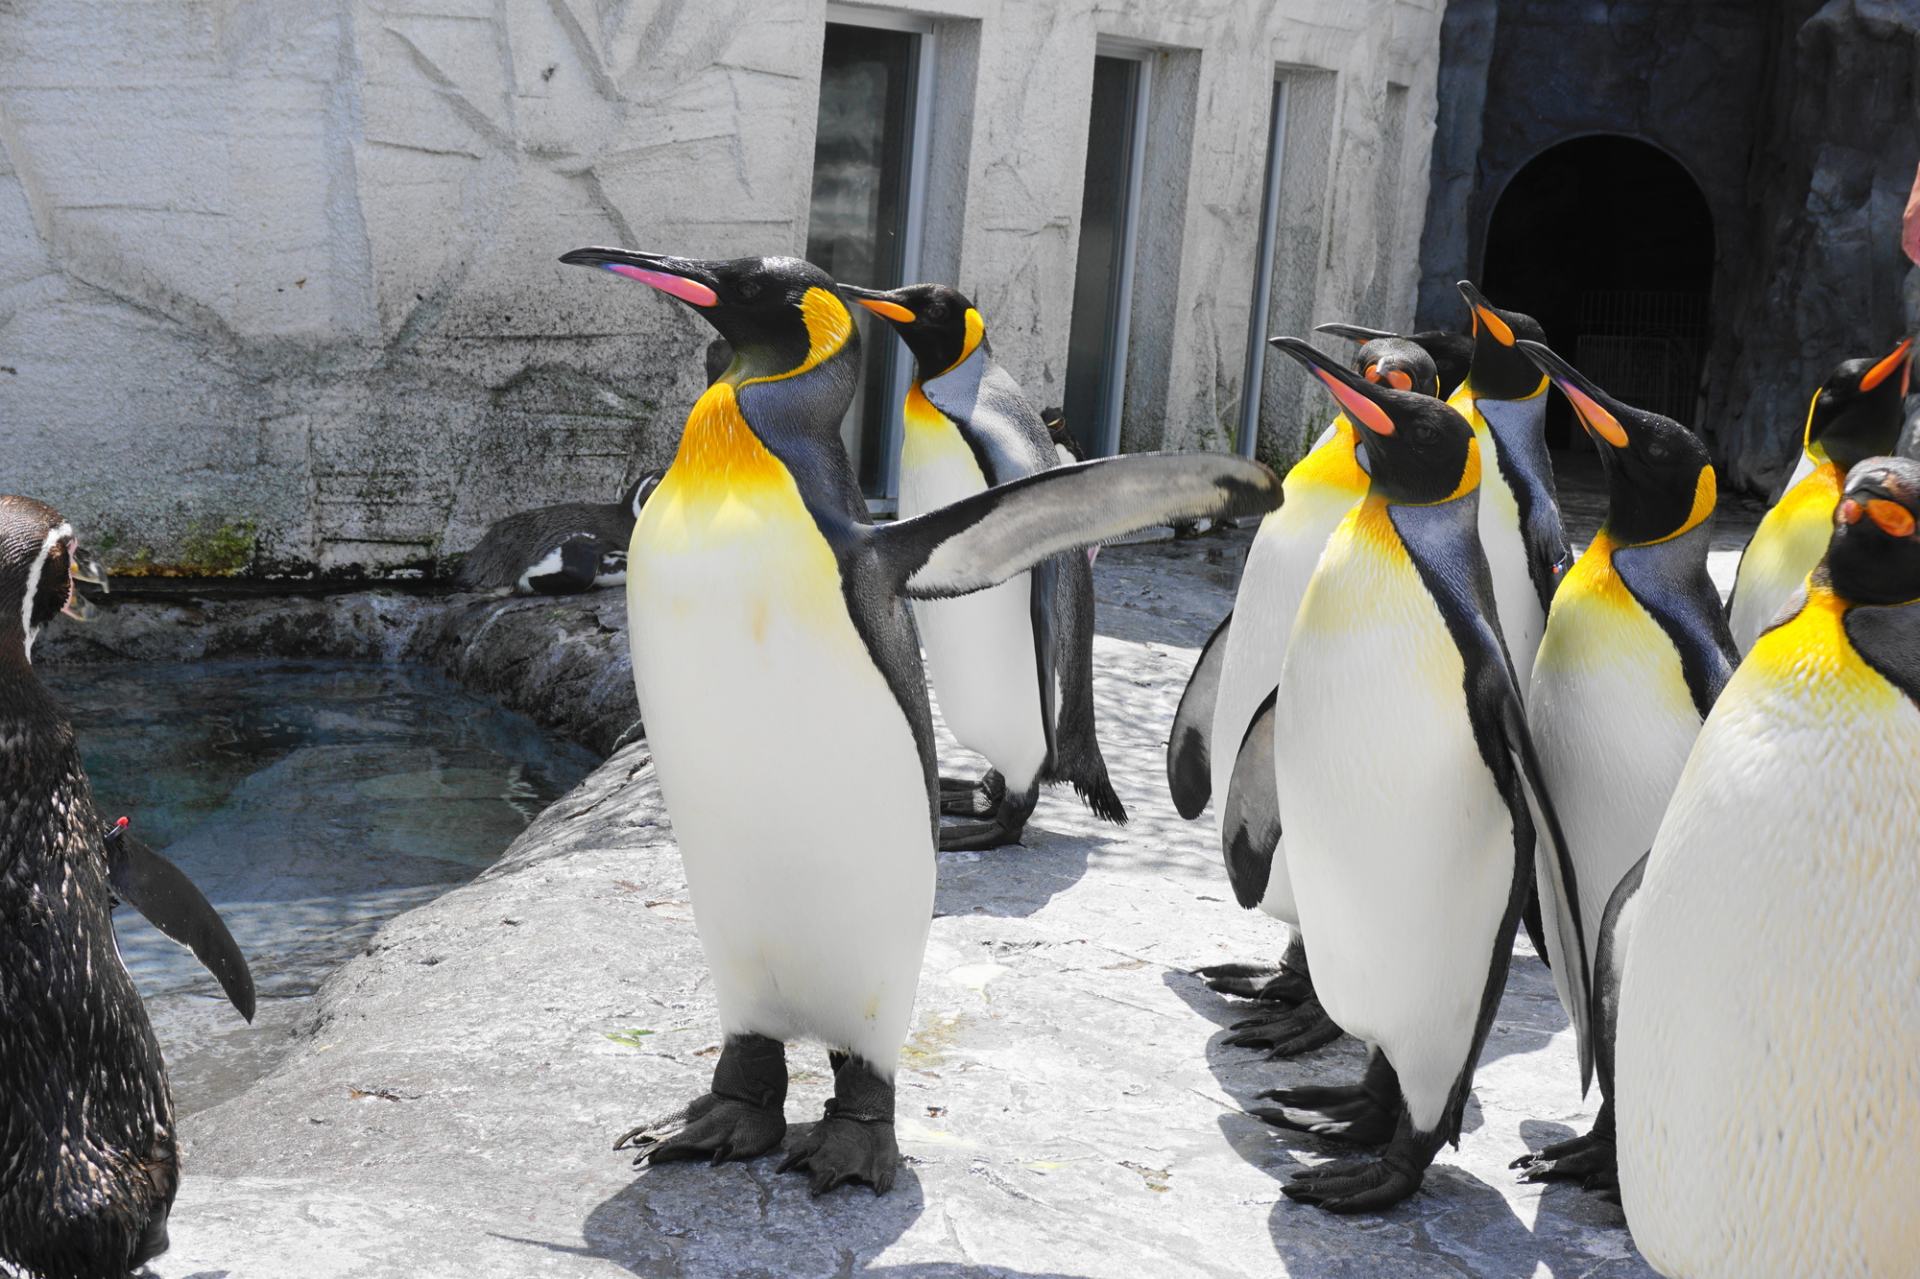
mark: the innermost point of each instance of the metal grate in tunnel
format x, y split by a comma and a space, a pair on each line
1645, 347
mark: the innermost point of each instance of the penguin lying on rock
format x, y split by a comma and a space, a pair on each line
1221, 743
1406, 780
776, 662
562, 549
88, 1161
1636, 650
1856, 414
1768, 1046
993, 657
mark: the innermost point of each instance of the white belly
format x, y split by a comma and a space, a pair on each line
1612, 720
1279, 564
1522, 621
1769, 1041
980, 648
1399, 847
789, 770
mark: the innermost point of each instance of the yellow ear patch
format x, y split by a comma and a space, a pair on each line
1894, 519
829, 325
887, 310
1469, 473
976, 329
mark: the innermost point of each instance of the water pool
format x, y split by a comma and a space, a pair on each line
311, 802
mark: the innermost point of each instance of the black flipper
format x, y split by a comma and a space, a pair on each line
1609, 965
1043, 581
1887, 637
1250, 822
986, 538
1521, 455
162, 892
1189, 746
1077, 757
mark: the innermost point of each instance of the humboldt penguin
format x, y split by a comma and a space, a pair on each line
1855, 414
777, 667
88, 1155
1505, 400
1635, 652
1768, 1052
1452, 353
1407, 780
563, 549
1222, 738
994, 656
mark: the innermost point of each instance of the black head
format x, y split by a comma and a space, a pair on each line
1874, 557
938, 324
1419, 451
36, 572
779, 314
1660, 480
1499, 370
1857, 412
1443, 352
635, 498
1399, 363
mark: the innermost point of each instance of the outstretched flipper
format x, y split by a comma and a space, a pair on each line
1250, 825
162, 892
1189, 745
984, 539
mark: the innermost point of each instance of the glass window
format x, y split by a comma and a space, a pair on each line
1097, 346
856, 227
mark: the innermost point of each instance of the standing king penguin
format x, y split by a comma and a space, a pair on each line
1636, 651
1222, 738
88, 1158
1452, 353
778, 671
1768, 1060
993, 656
1855, 414
1505, 400
1405, 777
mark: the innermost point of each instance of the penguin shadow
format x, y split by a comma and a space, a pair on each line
1017, 880
1455, 1218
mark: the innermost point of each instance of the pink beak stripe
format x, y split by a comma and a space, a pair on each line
686, 290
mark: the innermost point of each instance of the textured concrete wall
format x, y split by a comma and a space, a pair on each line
283, 274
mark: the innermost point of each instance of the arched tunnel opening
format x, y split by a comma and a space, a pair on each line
1608, 242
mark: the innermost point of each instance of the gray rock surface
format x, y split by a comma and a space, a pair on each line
1066, 1105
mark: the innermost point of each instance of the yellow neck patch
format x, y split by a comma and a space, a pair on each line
1332, 465
719, 454
1812, 653
829, 325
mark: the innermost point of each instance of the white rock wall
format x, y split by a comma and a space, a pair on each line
286, 271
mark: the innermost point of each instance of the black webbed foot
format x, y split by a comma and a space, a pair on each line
1286, 1032
1590, 1160
854, 1141
1006, 814
1355, 1185
1265, 982
1362, 1114
741, 1118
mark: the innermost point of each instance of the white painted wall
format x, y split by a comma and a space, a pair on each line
293, 265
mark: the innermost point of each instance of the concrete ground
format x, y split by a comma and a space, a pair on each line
1066, 1104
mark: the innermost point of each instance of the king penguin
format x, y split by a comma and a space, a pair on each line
1768, 1055
1452, 353
1505, 400
89, 1161
994, 657
1405, 778
1854, 415
1635, 652
776, 663
1222, 738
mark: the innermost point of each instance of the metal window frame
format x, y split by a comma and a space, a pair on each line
1253, 383
1120, 323
919, 144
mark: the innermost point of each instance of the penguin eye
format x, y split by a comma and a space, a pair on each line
1658, 452
748, 290
1424, 434
935, 311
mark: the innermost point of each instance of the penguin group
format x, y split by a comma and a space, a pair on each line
1424, 719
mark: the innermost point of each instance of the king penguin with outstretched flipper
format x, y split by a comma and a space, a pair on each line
1451, 353
1636, 651
88, 1156
994, 656
1505, 400
1222, 738
1768, 1054
776, 663
1856, 414
1406, 781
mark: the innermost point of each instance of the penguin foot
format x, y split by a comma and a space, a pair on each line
983, 798
839, 1151
1006, 811
1349, 1116
1355, 1185
711, 1127
1287, 1032
1589, 1160
1265, 982
854, 1140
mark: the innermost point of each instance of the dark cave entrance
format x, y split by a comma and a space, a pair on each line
1608, 242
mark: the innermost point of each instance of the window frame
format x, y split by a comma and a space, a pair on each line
1253, 383
1113, 392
